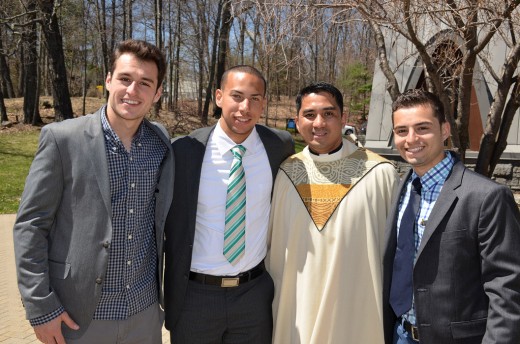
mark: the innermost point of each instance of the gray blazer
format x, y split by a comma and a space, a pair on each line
466, 279
63, 229
180, 225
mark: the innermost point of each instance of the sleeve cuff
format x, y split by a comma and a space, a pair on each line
47, 317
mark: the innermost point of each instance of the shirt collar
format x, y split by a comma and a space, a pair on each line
438, 173
225, 143
111, 134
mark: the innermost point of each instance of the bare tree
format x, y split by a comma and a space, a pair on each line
54, 43
3, 110
30, 91
7, 84
211, 73
449, 61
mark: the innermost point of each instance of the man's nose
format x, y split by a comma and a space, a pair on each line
319, 121
244, 105
132, 88
411, 136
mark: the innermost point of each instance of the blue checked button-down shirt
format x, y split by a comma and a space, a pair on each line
130, 284
432, 183
131, 278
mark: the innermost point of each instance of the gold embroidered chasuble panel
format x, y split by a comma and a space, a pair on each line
322, 185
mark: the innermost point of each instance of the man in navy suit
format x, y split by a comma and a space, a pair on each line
211, 298
461, 281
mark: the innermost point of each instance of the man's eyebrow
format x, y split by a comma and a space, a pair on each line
414, 125
241, 93
327, 108
143, 78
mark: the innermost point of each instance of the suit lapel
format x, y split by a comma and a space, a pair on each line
391, 221
271, 148
444, 202
193, 157
95, 150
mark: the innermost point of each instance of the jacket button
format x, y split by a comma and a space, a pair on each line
98, 280
106, 244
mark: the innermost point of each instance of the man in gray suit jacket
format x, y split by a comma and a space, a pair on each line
451, 265
89, 232
211, 297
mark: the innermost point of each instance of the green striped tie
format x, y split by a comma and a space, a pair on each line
234, 234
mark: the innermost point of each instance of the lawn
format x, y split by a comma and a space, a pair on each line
16, 154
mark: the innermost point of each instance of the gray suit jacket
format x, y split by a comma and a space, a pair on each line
466, 279
180, 224
63, 228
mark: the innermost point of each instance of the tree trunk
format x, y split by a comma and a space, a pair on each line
123, 5
202, 32
36, 118
3, 111
130, 21
177, 57
509, 113
102, 33
243, 28
112, 44
159, 43
211, 81
225, 29
30, 94
500, 117
21, 72
7, 84
53, 38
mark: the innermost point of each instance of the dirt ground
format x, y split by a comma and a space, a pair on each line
179, 122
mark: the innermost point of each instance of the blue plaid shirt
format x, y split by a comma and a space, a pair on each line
130, 284
432, 183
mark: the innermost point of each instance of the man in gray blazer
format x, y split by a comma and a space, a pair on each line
211, 297
89, 232
452, 264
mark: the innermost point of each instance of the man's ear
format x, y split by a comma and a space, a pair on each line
108, 80
158, 94
218, 97
445, 130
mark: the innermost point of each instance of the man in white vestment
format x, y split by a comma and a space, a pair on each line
328, 214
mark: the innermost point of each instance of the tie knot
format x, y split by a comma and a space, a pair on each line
238, 151
416, 183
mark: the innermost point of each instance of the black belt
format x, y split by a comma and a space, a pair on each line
229, 281
412, 330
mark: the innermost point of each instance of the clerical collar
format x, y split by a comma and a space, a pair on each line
337, 149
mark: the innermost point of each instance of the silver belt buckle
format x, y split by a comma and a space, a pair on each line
415, 333
229, 282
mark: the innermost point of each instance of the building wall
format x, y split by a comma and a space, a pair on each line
404, 60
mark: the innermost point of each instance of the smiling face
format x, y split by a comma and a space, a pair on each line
419, 137
242, 101
133, 90
320, 121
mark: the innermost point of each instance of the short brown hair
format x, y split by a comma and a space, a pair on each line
143, 51
415, 97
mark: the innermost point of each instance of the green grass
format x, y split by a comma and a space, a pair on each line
299, 144
16, 154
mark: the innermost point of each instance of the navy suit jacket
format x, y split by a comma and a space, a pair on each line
180, 223
466, 279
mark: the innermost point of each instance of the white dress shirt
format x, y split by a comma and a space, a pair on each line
208, 245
